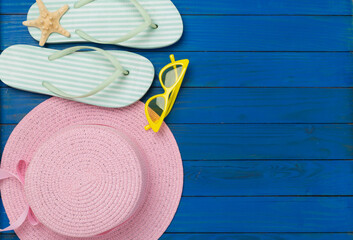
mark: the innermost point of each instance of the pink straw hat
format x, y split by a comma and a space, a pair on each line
85, 172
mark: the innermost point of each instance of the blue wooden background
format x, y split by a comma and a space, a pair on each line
263, 121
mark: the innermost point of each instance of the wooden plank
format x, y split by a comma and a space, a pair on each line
225, 105
257, 141
233, 33
265, 178
258, 236
264, 214
237, 236
260, 214
8, 236
263, 141
316, 7
255, 236
260, 69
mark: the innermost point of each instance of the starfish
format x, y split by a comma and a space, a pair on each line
48, 22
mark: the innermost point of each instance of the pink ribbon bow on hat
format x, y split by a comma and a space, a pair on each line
27, 213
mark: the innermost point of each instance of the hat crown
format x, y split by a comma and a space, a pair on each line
86, 180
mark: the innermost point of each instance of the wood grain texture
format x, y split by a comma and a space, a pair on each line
259, 214
263, 214
313, 7
237, 236
260, 69
266, 178
257, 141
225, 105
232, 33
257, 236
264, 141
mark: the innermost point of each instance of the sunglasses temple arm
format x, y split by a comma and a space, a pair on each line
172, 58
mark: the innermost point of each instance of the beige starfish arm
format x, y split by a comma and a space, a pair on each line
32, 23
62, 31
48, 22
43, 38
60, 12
42, 9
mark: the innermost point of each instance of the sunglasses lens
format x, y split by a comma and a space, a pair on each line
156, 108
171, 75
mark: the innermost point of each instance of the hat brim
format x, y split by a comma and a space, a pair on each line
161, 150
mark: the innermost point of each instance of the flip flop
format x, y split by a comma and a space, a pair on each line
79, 76
142, 24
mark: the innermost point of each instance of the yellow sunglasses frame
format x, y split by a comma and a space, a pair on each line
170, 94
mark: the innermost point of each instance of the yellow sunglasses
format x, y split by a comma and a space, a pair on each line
158, 107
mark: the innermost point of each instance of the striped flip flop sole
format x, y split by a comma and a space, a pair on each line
107, 20
25, 67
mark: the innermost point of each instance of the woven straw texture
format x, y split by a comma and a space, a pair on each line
92, 170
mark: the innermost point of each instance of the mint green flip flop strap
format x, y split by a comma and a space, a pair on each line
148, 23
119, 70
